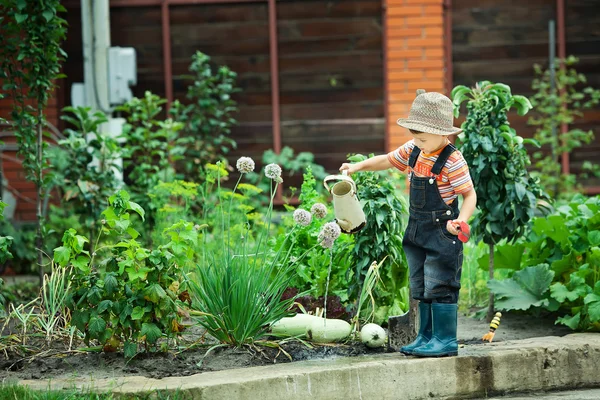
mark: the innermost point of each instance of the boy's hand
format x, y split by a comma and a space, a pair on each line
452, 227
350, 168
459, 228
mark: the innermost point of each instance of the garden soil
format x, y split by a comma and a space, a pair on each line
56, 363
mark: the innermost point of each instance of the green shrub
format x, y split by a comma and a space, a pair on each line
560, 261
123, 293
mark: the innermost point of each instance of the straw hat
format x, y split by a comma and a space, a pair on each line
431, 113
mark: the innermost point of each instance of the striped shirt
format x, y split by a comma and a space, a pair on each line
452, 181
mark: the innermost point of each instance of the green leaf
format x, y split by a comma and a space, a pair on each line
80, 319
137, 208
62, 255
561, 293
154, 293
82, 263
110, 284
594, 238
96, 327
570, 321
21, 17
523, 104
525, 289
48, 15
104, 305
592, 301
151, 331
129, 349
505, 256
138, 273
138, 313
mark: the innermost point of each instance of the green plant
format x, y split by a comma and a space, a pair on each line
5, 241
237, 291
55, 290
208, 118
84, 167
560, 99
153, 147
311, 273
124, 293
31, 57
381, 238
506, 194
22, 248
561, 266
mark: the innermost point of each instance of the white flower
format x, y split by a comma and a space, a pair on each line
245, 165
318, 210
302, 217
331, 230
325, 242
328, 234
273, 171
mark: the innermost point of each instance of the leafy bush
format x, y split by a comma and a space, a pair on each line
152, 148
124, 293
561, 266
84, 167
380, 238
560, 101
208, 119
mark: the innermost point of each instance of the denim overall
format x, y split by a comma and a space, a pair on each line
434, 255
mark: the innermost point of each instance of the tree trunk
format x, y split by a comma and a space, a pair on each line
39, 242
490, 312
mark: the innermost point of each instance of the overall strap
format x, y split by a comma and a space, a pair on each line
414, 155
443, 157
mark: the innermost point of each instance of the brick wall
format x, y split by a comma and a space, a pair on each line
415, 57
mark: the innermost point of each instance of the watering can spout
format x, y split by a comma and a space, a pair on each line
348, 212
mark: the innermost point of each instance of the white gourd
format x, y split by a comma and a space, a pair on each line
294, 326
373, 335
327, 331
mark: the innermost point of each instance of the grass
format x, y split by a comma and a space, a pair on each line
16, 392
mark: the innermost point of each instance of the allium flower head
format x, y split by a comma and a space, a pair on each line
328, 234
245, 165
302, 217
331, 230
273, 171
318, 210
325, 242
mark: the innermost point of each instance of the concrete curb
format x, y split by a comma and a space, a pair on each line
540, 364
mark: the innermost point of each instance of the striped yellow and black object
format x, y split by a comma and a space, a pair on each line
493, 326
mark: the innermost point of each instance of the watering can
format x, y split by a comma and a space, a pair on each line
349, 214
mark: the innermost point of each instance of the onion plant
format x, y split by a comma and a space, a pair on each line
237, 286
55, 290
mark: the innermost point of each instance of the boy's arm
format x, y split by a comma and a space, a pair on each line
377, 163
466, 211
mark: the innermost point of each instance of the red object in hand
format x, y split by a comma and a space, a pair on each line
464, 231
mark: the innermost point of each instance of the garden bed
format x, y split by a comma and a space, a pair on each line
58, 363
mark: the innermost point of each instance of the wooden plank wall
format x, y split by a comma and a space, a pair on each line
501, 40
330, 61
583, 40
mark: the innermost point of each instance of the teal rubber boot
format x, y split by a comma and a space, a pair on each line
443, 341
424, 335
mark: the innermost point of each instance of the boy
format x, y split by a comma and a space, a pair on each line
438, 174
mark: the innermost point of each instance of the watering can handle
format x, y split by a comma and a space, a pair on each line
343, 177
